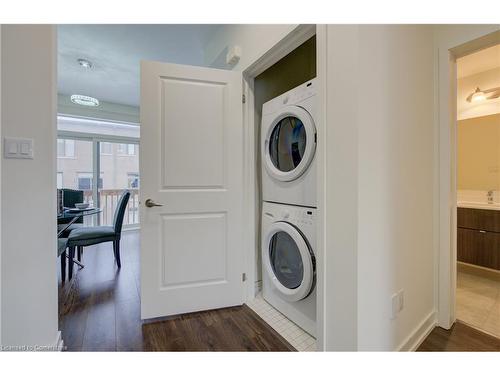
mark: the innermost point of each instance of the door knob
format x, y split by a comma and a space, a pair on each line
151, 203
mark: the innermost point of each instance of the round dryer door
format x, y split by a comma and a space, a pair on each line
288, 261
289, 144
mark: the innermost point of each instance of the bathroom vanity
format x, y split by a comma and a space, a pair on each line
478, 240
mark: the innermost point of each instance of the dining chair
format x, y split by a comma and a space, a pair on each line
87, 236
61, 252
70, 198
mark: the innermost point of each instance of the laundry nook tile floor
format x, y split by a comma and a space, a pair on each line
296, 336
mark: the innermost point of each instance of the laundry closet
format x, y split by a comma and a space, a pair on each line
285, 101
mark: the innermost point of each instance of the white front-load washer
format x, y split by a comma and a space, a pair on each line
288, 262
288, 145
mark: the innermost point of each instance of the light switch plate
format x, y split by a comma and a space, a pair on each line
18, 148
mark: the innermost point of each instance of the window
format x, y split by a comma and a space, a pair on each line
65, 148
122, 172
85, 181
106, 148
118, 145
126, 149
133, 180
59, 180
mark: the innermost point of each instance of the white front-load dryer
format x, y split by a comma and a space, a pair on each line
288, 145
288, 262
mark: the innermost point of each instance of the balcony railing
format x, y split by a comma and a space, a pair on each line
108, 200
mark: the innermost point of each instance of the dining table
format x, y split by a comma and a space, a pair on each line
73, 214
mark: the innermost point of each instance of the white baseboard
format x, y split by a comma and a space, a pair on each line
414, 340
59, 342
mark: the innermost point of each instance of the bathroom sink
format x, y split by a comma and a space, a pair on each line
479, 205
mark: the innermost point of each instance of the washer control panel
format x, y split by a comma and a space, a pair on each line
297, 216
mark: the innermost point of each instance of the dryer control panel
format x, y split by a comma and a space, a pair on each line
297, 95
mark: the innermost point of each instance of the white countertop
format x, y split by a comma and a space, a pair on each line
479, 205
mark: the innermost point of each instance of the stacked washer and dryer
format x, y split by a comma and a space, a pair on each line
289, 174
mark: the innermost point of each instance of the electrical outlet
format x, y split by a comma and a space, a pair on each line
401, 300
397, 303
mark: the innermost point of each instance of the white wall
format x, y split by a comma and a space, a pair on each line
28, 187
254, 41
338, 144
1, 152
395, 161
378, 184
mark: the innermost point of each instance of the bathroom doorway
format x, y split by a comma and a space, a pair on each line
478, 190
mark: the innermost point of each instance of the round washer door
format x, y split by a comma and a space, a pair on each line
289, 144
288, 261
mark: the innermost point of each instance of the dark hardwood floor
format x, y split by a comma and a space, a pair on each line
99, 310
460, 338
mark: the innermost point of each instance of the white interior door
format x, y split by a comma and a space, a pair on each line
191, 163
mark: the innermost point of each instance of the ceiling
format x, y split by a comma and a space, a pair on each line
478, 62
116, 51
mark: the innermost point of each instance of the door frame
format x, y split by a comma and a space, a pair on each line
251, 123
450, 47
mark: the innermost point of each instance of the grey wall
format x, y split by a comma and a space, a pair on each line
29, 274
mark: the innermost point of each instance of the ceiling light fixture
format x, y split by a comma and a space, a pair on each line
480, 96
87, 101
84, 63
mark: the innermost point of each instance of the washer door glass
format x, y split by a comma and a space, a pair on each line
286, 260
287, 143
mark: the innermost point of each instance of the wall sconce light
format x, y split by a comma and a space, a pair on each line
481, 95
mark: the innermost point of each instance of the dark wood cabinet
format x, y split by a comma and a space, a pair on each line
490, 257
473, 218
478, 247
478, 240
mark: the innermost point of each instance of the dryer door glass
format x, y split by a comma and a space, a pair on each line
287, 143
286, 260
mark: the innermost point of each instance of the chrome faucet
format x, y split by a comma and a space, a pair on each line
490, 196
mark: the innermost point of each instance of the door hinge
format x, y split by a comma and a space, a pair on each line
243, 277
243, 98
